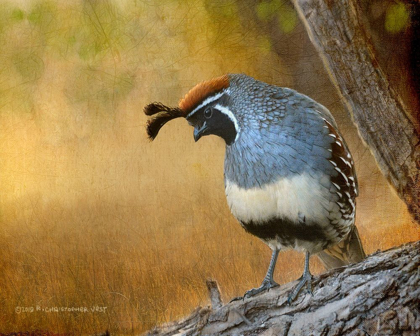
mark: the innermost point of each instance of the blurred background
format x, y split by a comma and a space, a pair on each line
93, 214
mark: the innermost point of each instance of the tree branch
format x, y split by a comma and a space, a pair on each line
378, 296
336, 30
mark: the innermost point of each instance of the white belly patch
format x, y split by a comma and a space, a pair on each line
294, 198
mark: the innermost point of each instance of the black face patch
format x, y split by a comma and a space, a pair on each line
212, 120
222, 126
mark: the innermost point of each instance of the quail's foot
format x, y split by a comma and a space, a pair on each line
306, 279
266, 285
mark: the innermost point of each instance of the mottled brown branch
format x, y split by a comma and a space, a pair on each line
336, 29
379, 296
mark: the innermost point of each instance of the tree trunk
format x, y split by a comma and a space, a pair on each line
336, 30
378, 296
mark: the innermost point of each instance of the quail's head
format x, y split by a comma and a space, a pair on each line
206, 108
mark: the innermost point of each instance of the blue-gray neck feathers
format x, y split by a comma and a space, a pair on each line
281, 133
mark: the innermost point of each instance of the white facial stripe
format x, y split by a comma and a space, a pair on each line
208, 101
230, 115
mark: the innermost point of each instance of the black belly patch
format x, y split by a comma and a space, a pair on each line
286, 230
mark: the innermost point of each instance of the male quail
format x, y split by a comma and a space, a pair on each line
289, 176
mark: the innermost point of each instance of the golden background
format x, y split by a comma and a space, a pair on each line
92, 213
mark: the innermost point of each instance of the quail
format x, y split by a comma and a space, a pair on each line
289, 175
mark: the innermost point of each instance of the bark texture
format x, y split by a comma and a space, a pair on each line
336, 30
379, 296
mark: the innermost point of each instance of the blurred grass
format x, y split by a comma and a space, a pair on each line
91, 213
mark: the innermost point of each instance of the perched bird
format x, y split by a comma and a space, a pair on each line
289, 175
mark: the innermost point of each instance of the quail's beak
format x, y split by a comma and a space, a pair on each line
199, 131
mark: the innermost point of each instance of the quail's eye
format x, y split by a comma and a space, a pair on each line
208, 112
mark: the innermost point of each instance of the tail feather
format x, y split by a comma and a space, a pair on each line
347, 251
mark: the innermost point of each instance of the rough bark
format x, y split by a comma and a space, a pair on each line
379, 296
336, 30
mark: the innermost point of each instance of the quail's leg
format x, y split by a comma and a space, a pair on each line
268, 281
306, 279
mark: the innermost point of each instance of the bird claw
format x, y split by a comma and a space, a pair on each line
304, 280
265, 286
309, 286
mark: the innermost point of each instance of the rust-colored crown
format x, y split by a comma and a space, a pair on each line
201, 91
161, 114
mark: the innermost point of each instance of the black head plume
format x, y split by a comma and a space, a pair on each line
161, 114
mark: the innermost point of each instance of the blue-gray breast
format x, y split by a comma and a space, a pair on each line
289, 175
